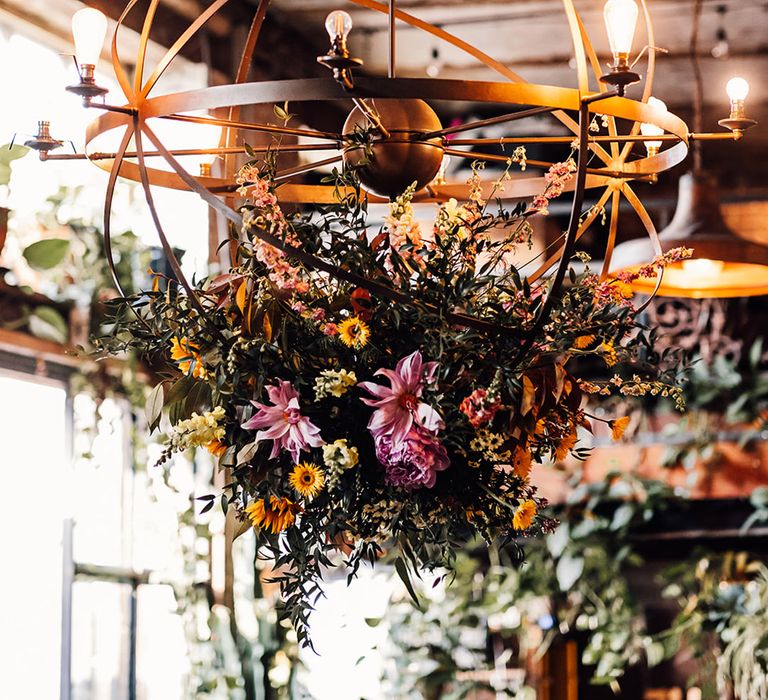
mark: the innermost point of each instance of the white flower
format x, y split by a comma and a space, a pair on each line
333, 383
198, 430
337, 455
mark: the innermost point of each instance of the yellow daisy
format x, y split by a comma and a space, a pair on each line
354, 333
183, 353
618, 427
524, 515
277, 515
308, 479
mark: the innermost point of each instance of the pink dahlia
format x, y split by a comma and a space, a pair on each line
284, 423
398, 406
414, 461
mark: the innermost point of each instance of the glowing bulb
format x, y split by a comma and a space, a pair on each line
620, 21
703, 268
651, 129
737, 89
89, 27
338, 24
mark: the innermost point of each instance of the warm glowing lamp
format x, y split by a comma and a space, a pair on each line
338, 24
620, 23
89, 27
723, 264
653, 145
737, 89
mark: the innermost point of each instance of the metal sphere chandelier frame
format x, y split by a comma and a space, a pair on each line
618, 165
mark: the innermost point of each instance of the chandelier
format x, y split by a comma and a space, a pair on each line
409, 142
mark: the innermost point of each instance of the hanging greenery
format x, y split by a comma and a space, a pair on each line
384, 389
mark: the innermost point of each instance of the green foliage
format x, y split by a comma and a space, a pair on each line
46, 254
7, 155
270, 319
723, 622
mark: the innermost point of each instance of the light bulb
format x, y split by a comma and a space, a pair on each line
620, 21
651, 129
89, 27
703, 268
338, 24
737, 89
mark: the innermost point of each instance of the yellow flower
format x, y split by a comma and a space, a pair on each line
183, 354
524, 515
354, 333
216, 447
277, 515
565, 446
521, 463
618, 427
307, 479
583, 341
610, 355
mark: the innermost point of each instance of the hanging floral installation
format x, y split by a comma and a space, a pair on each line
396, 395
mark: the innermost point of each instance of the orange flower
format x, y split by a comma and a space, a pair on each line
583, 341
277, 515
521, 463
565, 446
618, 427
216, 447
524, 515
183, 353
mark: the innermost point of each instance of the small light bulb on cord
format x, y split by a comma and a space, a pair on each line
651, 145
89, 27
436, 65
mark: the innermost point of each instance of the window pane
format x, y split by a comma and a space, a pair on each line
32, 417
162, 658
100, 640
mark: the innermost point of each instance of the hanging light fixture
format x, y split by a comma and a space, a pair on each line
403, 140
723, 264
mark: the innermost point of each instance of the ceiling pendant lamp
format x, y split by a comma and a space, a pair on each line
723, 264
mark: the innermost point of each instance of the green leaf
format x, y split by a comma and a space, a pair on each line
622, 516
246, 453
47, 323
7, 155
402, 572
568, 571
153, 408
44, 255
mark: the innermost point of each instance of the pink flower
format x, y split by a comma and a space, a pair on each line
414, 461
330, 329
480, 407
285, 425
398, 406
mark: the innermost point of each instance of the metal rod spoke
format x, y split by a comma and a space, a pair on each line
502, 119
300, 169
251, 126
392, 63
475, 155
